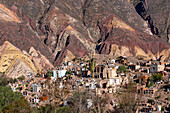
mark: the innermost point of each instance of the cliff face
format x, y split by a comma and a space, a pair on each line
62, 28
156, 13
18, 26
64, 31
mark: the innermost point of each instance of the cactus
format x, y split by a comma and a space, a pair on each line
92, 65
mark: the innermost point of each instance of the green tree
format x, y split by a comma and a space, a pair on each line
21, 78
49, 74
162, 108
156, 77
11, 80
74, 59
53, 109
3, 81
122, 68
85, 67
151, 101
13, 102
68, 72
44, 109
150, 82
64, 109
158, 97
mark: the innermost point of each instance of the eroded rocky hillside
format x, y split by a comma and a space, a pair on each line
61, 29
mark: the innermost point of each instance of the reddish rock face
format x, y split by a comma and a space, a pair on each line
131, 39
54, 27
22, 37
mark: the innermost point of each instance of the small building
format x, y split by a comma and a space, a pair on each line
55, 73
146, 91
146, 110
115, 81
81, 64
36, 99
69, 63
134, 67
143, 79
86, 73
121, 60
43, 97
24, 93
154, 68
36, 88
112, 61
99, 70
109, 72
148, 63
159, 108
61, 73
167, 68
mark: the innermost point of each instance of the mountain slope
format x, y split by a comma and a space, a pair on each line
13, 60
59, 28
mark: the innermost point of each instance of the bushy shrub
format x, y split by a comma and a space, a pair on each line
122, 68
